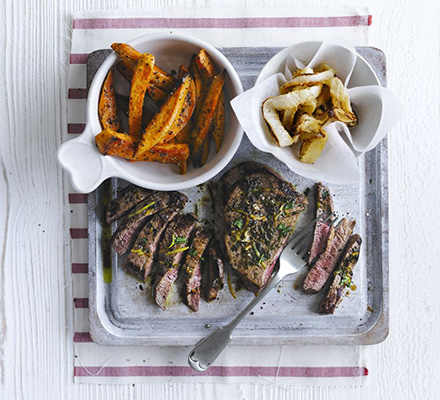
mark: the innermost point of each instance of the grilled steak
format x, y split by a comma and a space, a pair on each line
342, 275
125, 201
192, 268
224, 187
124, 236
324, 207
258, 215
327, 261
172, 249
141, 257
214, 271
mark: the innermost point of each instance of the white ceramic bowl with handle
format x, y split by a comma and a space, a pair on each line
88, 168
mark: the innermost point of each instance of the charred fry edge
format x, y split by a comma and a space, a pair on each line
107, 109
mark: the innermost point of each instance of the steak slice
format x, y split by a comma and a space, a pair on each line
324, 207
175, 243
192, 268
141, 258
342, 275
124, 236
326, 262
259, 216
214, 275
125, 201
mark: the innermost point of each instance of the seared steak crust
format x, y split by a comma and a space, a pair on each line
125, 201
342, 275
192, 268
324, 207
214, 271
224, 187
141, 257
327, 261
258, 216
124, 236
173, 247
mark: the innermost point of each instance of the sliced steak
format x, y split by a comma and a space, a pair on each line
324, 207
192, 268
214, 271
173, 247
124, 236
141, 258
327, 261
260, 213
342, 275
126, 200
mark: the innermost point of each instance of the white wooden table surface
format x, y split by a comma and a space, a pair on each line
35, 283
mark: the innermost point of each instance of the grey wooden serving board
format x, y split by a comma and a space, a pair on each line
122, 311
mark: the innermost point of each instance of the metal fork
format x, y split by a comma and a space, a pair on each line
291, 261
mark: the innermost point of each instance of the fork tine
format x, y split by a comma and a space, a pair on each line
304, 233
305, 244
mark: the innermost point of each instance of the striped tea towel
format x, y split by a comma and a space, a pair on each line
279, 365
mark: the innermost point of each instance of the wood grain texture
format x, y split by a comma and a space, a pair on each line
36, 350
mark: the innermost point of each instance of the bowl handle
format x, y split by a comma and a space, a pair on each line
82, 161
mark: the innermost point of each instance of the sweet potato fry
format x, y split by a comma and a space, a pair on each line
218, 123
205, 66
182, 72
168, 153
165, 152
200, 87
130, 56
171, 118
111, 143
157, 94
119, 144
206, 115
141, 77
107, 109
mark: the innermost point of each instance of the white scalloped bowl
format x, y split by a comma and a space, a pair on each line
88, 168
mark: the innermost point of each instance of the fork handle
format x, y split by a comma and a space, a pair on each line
208, 349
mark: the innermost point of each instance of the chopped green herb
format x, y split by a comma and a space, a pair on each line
180, 239
288, 206
325, 194
346, 280
238, 223
284, 229
193, 252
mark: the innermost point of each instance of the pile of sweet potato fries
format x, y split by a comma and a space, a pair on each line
191, 110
